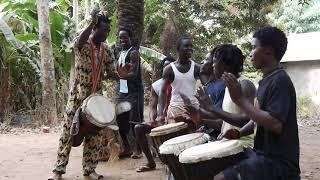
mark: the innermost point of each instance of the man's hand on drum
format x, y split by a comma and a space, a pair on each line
153, 114
204, 99
234, 87
188, 105
232, 134
192, 110
160, 119
153, 119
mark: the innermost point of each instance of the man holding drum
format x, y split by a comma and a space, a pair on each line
89, 49
276, 144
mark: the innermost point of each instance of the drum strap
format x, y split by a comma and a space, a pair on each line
74, 130
96, 71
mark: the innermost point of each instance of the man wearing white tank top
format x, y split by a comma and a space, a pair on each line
183, 74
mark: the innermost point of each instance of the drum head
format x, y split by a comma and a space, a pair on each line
100, 110
168, 128
204, 152
178, 144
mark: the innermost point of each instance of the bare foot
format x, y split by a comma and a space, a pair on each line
94, 175
55, 176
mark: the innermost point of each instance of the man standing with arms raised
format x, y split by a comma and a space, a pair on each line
90, 51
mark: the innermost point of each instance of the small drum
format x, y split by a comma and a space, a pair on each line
97, 112
162, 133
206, 160
171, 149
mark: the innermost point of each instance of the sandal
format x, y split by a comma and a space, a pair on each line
94, 175
146, 168
56, 176
136, 156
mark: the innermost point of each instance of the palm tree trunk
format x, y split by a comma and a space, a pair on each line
47, 62
131, 15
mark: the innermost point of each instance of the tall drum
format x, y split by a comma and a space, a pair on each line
171, 149
206, 160
162, 133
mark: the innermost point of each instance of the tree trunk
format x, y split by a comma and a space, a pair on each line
75, 13
47, 62
75, 20
131, 16
152, 29
87, 4
170, 33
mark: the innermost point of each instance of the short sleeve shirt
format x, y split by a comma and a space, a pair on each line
216, 90
276, 95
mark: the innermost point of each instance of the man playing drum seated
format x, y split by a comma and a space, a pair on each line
215, 88
145, 128
276, 144
227, 58
91, 40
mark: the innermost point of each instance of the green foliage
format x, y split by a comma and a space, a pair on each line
56, 27
306, 108
211, 23
297, 17
112, 38
108, 6
23, 77
62, 34
27, 37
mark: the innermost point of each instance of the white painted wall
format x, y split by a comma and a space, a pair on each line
305, 76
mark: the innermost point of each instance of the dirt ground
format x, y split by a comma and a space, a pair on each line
30, 156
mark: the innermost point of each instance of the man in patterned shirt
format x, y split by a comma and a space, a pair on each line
90, 41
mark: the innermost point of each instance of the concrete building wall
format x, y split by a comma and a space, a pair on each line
305, 76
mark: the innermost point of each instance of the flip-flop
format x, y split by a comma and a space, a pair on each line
55, 177
136, 156
145, 168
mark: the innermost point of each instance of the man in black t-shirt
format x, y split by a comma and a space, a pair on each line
276, 144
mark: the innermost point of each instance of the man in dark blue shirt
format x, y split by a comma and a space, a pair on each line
215, 88
213, 82
276, 145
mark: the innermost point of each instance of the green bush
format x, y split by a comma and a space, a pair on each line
306, 109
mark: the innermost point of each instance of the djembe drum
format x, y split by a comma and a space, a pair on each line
206, 160
171, 149
96, 112
162, 133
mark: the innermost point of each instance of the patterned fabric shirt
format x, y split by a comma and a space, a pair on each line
82, 87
